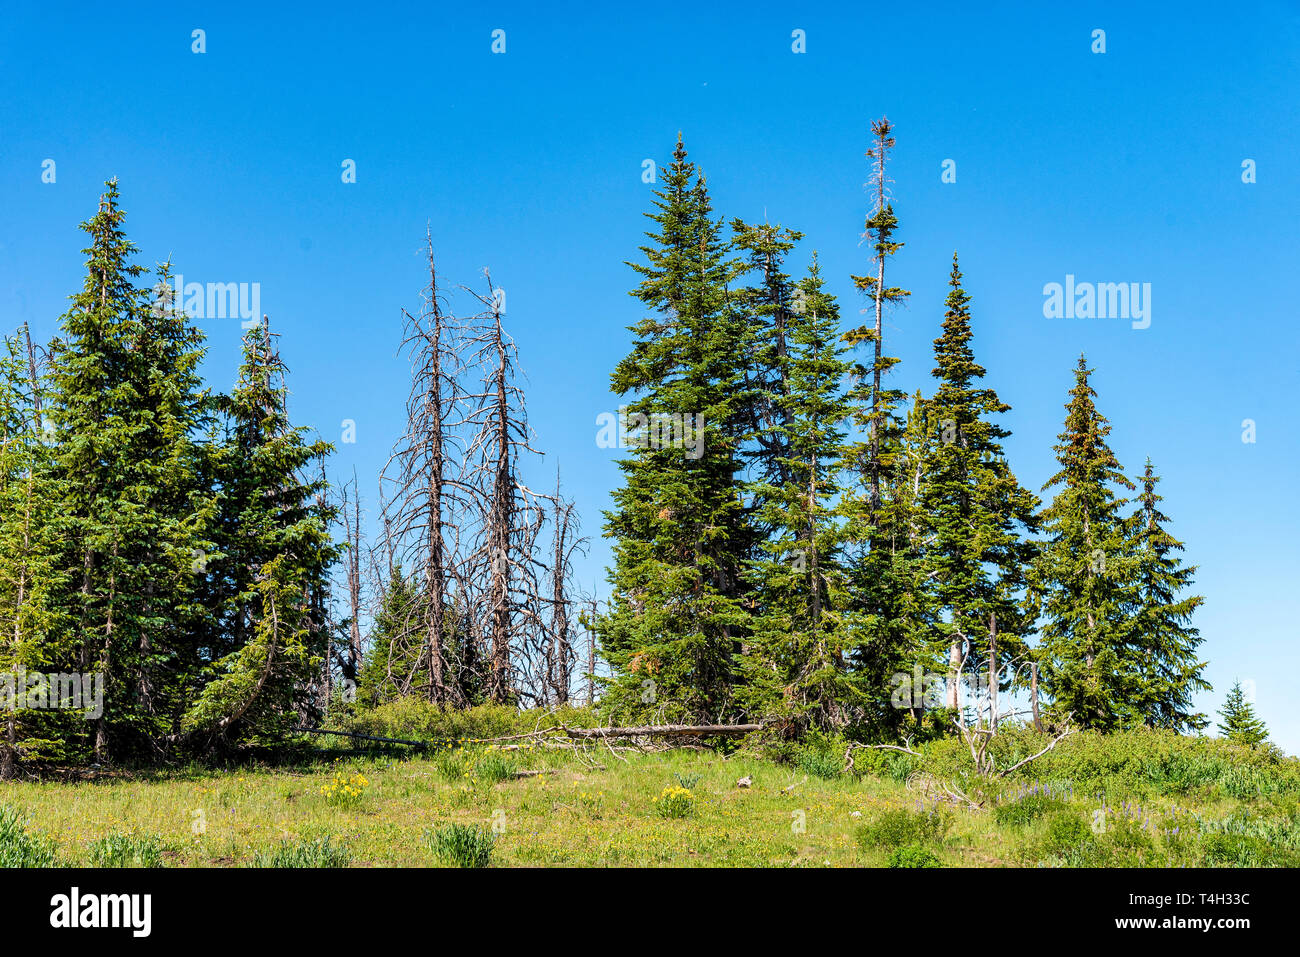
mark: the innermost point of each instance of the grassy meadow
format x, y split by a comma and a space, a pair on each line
1137, 799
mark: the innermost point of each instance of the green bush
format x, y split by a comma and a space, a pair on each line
125, 850
902, 826
1027, 809
914, 855
18, 847
819, 763
1067, 834
319, 852
461, 845
417, 719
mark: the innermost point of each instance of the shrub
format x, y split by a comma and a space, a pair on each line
1243, 783
319, 852
903, 826
819, 763
124, 850
18, 848
674, 802
418, 719
914, 855
461, 845
1027, 809
1067, 835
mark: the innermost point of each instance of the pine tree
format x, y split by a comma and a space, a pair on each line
882, 570
33, 637
795, 665
877, 403
1239, 724
1085, 573
126, 405
1166, 641
678, 612
974, 512
275, 553
771, 306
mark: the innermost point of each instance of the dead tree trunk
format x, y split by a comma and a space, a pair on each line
423, 469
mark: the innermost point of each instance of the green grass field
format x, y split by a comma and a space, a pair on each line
675, 808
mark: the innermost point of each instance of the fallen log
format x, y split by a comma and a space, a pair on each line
664, 731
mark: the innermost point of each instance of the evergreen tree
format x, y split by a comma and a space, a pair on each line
33, 637
678, 611
1239, 724
876, 404
274, 555
974, 512
770, 305
795, 664
1085, 573
1166, 640
882, 569
126, 405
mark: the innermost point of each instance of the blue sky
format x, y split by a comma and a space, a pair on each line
1123, 166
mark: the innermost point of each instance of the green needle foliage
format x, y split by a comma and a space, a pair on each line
1239, 723
126, 404
1085, 575
974, 514
275, 554
678, 612
1171, 671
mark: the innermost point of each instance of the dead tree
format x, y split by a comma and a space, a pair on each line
510, 512
426, 488
559, 655
350, 660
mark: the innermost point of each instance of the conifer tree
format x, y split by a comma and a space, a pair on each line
877, 403
795, 665
33, 637
974, 512
1166, 640
275, 553
126, 405
770, 305
1085, 574
1240, 724
882, 571
678, 612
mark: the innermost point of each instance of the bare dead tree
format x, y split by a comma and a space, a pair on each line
511, 512
350, 510
423, 472
566, 542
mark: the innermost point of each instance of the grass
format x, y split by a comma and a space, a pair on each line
466, 805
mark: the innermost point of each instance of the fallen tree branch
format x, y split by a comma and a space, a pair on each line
664, 730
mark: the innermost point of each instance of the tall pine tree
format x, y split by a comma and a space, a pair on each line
126, 405
1085, 573
795, 663
974, 512
678, 611
1166, 640
274, 557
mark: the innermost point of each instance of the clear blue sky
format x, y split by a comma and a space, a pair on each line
1115, 167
